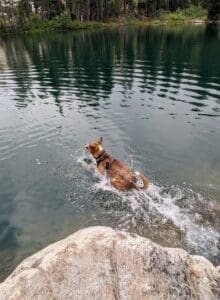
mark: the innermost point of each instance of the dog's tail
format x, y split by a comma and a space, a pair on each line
142, 182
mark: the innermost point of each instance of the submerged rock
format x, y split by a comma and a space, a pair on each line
101, 263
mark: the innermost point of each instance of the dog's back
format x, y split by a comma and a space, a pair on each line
121, 176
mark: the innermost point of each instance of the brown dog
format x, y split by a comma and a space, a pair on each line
121, 176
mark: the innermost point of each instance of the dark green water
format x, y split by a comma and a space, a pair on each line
154, 96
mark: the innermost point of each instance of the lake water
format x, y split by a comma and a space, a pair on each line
153, 93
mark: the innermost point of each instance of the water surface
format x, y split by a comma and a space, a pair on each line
152, 93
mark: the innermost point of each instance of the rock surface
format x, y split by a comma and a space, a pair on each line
101, 263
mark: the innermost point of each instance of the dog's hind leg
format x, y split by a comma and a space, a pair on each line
142, 182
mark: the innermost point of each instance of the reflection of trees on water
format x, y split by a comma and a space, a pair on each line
88, 64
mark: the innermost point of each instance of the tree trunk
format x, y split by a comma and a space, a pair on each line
88, 10
101, 10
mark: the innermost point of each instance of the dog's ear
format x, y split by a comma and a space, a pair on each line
100, 141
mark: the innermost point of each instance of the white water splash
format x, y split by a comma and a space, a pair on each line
202, 238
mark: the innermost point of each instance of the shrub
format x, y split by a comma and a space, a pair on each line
190, 13
62, 23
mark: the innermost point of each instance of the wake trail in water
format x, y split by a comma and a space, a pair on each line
182, 211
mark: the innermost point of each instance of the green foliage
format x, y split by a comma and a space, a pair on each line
194, 12
74, 14
37, 23
62, 23
191, 13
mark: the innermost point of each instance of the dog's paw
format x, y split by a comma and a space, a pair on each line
139, 181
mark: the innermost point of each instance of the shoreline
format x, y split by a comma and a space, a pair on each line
75, 25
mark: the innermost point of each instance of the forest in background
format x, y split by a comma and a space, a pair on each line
60, 14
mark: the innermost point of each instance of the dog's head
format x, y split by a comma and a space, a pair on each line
95, 148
